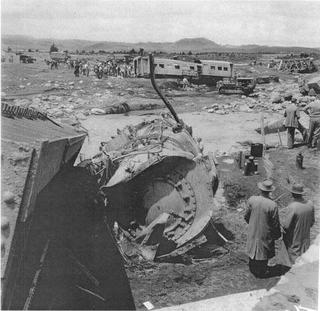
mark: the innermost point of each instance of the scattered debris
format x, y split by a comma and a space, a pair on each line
267, 79
311, 87
148, 305
294, 65
8, 197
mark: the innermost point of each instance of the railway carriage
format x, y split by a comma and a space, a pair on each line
205, 71
165, 68
216, 69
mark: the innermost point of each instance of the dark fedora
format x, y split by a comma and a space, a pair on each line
266, 185
297, 189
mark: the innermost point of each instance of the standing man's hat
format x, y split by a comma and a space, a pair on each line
297, 189
266, 185
312, 93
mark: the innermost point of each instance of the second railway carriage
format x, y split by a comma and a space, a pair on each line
205, 71
215, 70
166, 68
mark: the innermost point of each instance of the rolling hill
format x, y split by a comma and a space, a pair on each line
19, 42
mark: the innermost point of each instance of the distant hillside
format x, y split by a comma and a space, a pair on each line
17, 42
254, 48
186, 45
200, 44
195, 45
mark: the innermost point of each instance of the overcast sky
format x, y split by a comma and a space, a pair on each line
290, 23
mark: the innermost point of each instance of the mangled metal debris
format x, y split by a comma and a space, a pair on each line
157, 184
310, 87
296, 65
267, 79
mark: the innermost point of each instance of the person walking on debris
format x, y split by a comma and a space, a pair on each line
77, 69
54, 64
299, 219
185, 83
292, 116
84, 67
313, 110
264, 228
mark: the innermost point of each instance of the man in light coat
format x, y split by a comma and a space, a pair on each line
297, 224
263, 229
313, 110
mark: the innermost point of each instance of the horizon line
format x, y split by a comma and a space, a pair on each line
161, 42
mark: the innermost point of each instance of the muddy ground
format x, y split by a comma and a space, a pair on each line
215, 269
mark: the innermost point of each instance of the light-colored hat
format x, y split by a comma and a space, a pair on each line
266, 185
312, 93
297, 189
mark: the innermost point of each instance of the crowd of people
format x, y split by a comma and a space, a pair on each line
112, 68
99, 68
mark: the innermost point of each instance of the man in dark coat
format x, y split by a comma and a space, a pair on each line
77, 68
292, 116
297, 224
264, 228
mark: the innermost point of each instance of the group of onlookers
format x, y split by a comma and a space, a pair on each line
111, 68
100, 68
265, 228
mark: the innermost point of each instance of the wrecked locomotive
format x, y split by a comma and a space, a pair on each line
157, 184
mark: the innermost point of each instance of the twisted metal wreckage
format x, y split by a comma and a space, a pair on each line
157, 184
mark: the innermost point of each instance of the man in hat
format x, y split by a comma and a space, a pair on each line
264, 228
313, 110
292, 116
297, 224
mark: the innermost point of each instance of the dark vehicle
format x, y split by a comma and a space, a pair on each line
244, 86
27, 59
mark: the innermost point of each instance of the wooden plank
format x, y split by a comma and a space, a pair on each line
280, 138
262, 133
73, 147
46, 164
